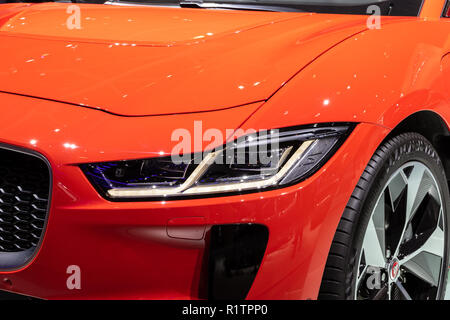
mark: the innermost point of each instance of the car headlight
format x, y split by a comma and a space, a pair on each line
254, 162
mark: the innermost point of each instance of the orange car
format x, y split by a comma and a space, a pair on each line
269, 149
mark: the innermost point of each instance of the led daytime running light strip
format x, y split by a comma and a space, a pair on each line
188, 187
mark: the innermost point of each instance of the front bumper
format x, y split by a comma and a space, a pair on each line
158, 250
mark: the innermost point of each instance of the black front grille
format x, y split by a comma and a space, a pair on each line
24, 200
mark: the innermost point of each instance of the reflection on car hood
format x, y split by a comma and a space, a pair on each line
138, 61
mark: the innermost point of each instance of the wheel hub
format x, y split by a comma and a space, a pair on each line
394, 269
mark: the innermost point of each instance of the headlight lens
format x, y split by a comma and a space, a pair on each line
258, 161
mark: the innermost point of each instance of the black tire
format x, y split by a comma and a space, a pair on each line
338, 281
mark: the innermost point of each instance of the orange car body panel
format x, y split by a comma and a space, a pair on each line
146, 64
123, 249
118, 92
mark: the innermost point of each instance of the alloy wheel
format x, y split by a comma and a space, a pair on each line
404, 243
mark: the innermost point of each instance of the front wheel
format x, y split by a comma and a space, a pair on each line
391, 242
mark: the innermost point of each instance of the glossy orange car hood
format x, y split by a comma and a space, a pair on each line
139, 61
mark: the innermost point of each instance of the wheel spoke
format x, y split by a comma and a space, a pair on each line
361, 276
414, 190
422, 207
396, 221
383, 293
389, 291
403, 290
396, 187
425, 263
434, 245
374, 248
